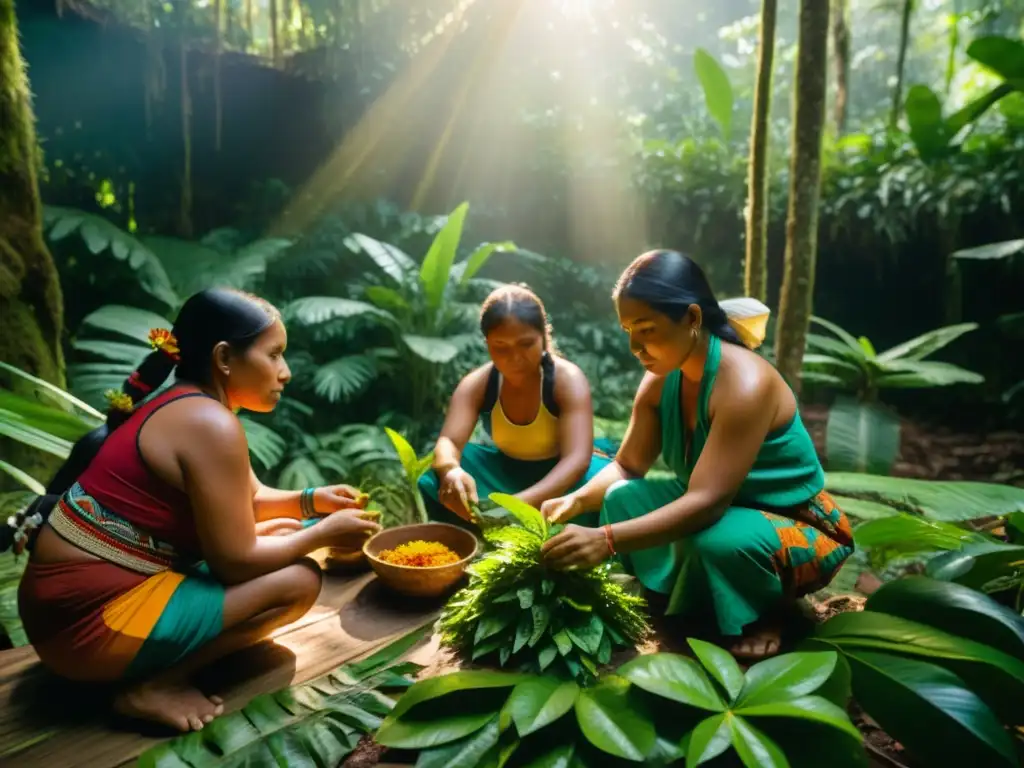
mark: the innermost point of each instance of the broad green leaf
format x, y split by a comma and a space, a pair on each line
709, 739
717, 90
928, 130
928, 710
560, 756
62, 398
611, 722
878, 631
993, 251
266, 446
387, 299
464, 753
787, 676
523, 631
827, 363
132, 354
674, 677
386, 656
22, 478
541, 615
973, 110
588, 637
837, 348
917, 374
977, 563
903, 534
126, 321
540, 702
861, 509
853, 346
37, 415
434, 687
314, 310
478, 258
392, 261
813, 708
861, 437
755, 749
926, 344
431, 349
528, 516
404, 733
1002, 55
721, 664
954, 608
406, 453
437, 264
942, 500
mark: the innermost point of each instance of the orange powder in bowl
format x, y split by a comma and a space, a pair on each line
419, 554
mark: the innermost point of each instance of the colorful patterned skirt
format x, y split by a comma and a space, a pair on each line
124, 616
742, 566
494, 472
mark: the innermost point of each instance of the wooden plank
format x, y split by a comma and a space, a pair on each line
46, 721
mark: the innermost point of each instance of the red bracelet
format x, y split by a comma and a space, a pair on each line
608, 538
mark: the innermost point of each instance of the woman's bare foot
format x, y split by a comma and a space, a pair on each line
179, 706
758, 644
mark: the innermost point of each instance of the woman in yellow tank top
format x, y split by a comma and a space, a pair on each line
534, 405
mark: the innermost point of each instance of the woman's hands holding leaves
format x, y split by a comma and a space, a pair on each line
576, 547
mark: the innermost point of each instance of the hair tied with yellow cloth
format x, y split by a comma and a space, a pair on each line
749, 318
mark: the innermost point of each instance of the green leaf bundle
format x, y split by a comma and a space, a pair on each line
530, 617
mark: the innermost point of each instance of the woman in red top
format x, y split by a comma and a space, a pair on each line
160, 554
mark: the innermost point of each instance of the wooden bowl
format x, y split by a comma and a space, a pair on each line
422, 582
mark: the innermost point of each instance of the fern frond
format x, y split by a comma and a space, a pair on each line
345, 377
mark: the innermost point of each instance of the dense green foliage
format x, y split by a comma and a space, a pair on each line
534, 618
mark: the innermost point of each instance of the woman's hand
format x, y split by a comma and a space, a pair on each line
331, 498
561, 509
346, 528
576, 547
458, 491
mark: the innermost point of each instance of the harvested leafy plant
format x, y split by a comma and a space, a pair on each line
534, 618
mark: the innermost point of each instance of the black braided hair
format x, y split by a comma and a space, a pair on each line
206, 319
671, 282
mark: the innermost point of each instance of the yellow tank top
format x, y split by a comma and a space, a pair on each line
536, 441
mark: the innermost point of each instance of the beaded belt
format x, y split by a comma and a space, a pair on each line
87, 524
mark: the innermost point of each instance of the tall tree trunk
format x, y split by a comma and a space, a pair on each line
275, 42
755, 280
185, 213
841, 58
31, 305
804, 186
901, 60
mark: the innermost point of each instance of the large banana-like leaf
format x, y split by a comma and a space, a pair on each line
24, 479
431, 349
120, 320
847, 338
437, 264
718, 94
926, 344
392, 261
37, 425
993, 251
979, 565
113, 351
942, 500
903, 535
345, 377
265, 445
834, 348
313, 310
466, 270
861, 437
99, 235
90, 381
62, 399
316, 724
915, 374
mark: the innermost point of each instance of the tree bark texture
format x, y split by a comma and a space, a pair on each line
804, 186
755, 279
31, 304
841, 58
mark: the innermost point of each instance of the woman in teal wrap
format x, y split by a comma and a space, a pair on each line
534, 405
745, 524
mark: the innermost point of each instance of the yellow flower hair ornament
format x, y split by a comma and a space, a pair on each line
119, 401
749, 318
164, 340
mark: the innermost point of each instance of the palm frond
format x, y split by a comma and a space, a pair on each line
345, 377
265, 445
313, 310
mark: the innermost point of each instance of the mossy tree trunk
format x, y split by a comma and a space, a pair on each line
841, 58
804, 186
755, 280
31, 305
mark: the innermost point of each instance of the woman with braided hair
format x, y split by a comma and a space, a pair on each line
158, 550
745, 526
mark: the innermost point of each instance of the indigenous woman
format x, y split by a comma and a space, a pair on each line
115, 590
534, 405
745, 524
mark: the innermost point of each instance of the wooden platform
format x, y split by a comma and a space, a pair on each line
49, 722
